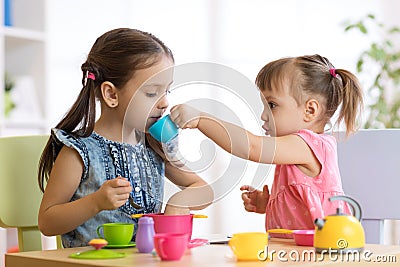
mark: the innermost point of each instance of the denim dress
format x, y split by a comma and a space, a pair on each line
105, 160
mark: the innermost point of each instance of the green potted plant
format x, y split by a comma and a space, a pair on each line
381, 63
8, 102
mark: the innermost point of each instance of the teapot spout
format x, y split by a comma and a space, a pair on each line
319, 223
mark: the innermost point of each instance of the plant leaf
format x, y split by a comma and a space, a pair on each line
362, 28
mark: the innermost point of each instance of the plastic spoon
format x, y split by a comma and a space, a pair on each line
134, 204
194, 216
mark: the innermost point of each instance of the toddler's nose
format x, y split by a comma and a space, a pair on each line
265, 117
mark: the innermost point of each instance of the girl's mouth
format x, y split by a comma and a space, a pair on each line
155, 118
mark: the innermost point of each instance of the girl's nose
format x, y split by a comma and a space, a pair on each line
163, 102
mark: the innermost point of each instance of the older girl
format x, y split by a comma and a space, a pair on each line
92, 167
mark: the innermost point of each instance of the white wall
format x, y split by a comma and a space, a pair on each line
241, 34
237, 33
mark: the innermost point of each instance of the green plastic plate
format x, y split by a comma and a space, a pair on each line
97, 254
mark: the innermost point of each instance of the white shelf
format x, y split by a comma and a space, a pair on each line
24, 34
23, 58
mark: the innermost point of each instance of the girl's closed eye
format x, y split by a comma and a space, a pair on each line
151, 94
157, 90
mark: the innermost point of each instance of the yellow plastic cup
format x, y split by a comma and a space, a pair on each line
247, 246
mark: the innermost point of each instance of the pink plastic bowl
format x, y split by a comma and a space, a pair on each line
177, 224
303, 237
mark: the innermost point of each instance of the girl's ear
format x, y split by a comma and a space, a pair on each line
110, 94
312, 110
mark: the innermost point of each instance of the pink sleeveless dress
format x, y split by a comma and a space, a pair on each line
296, 199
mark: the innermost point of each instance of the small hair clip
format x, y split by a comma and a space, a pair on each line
332, 71
89, 75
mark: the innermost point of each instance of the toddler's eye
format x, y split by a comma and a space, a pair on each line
271, 104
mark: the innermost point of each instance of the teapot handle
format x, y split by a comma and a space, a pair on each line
355, 206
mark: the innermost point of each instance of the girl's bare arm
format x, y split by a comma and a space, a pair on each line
57, 215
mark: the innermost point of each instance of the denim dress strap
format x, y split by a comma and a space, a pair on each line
75, 143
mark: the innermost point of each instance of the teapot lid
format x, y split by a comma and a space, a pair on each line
339, 212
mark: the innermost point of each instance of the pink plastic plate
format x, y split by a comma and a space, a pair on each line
197, 242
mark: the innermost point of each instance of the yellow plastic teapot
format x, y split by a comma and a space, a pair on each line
340, 232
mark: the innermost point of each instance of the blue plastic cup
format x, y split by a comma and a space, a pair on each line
164, 129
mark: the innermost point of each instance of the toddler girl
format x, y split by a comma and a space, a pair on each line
300, 96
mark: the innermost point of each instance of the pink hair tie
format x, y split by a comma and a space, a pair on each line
332, 71
89, 75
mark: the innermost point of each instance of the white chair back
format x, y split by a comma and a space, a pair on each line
369, 163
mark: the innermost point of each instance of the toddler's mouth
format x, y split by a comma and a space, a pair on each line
267, 131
